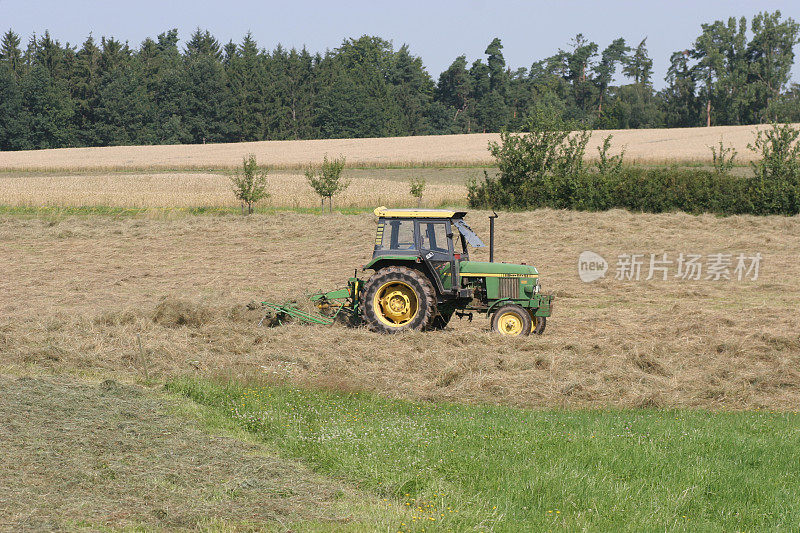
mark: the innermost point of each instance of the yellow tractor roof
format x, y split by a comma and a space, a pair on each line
385, 212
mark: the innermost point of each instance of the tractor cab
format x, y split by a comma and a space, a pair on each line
436, 238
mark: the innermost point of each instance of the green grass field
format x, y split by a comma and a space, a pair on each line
460, 467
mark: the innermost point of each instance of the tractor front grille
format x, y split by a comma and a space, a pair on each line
509, 288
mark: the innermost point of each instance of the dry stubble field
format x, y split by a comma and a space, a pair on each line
75, 292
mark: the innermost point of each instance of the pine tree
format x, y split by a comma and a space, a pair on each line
497, 66
206, 104
680, 104
203, 44
247, 78
10, 53
639, 66
355, 98
579, 64
167, 87
47, 111
454, 87
413, 91
85, 92
607, 68
11, 112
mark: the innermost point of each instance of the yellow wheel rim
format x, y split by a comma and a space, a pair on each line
510, 323
396, 304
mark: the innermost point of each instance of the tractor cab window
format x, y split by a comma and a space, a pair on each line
398, 235
433, 236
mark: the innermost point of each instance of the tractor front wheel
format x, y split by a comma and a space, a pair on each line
512, 320
398, 299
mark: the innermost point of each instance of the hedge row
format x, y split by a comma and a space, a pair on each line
648, 190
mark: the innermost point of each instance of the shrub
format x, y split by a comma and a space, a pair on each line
541, 170
609, 164
417, 187
328, 182
722, 160
776, 181
250, 184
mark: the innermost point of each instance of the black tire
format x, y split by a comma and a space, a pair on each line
412, 291
512, 320
441, 320
539, 323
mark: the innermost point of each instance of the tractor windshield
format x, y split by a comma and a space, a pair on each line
468, 234
433, 236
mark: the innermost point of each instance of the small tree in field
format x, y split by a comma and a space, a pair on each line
417, 188
328, 182
722, 159
250, 183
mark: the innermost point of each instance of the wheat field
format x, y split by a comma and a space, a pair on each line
656, 146
213, 189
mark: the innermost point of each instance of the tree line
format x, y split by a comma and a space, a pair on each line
109, 93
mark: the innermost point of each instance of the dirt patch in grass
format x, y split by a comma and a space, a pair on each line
109, 455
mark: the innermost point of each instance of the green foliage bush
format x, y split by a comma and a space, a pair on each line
540, 169
417, 188
327, 182
250, 183
776, 181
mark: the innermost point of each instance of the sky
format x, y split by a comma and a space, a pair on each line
438, 31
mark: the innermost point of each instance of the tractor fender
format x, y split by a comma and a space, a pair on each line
496, 304
414, 262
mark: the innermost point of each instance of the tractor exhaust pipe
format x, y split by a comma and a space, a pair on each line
491, 236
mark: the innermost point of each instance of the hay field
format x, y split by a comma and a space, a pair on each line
213, 189
75, 292
111, 457
642, 146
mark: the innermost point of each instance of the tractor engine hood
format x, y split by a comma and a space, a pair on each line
497, 269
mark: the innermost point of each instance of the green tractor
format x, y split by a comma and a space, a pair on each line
422, 277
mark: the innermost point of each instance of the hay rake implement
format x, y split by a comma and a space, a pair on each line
339, 305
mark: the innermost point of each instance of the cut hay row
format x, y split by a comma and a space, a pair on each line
657, 146
205, 190
75, 292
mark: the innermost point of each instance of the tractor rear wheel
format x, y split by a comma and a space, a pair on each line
398, 299
512, 320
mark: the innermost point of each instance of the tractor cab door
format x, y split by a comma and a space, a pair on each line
436, 249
